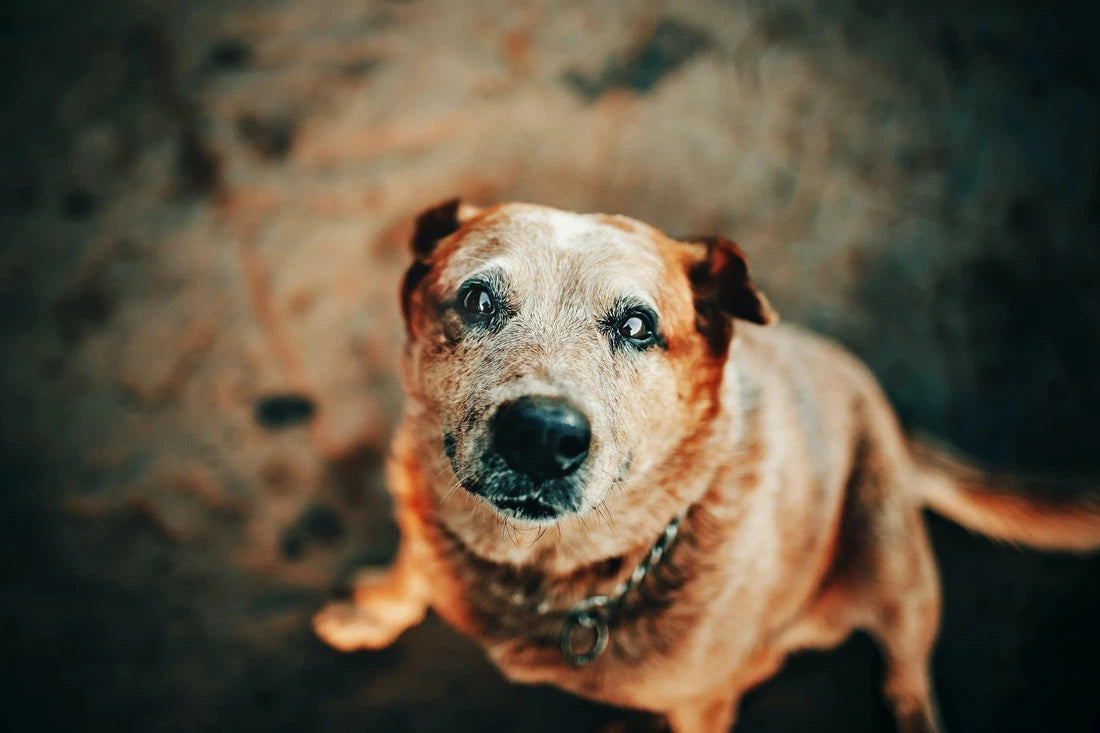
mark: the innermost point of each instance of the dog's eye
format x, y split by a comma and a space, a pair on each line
478, 302
636, 327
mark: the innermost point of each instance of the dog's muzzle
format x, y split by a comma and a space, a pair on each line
541, 437
537, 445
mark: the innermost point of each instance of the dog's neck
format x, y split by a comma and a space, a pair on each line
528, 602
505, 587
591, 616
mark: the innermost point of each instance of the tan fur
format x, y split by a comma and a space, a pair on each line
802, 496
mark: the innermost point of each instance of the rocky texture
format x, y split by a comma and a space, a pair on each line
204, 209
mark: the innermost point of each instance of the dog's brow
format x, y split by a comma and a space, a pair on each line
463, 256
630, 302
493, 276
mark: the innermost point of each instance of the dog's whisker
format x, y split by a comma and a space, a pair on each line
542, 531
604, 512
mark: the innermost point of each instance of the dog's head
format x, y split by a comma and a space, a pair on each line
555, 355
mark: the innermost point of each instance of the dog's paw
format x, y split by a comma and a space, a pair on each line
378, 615
348, 627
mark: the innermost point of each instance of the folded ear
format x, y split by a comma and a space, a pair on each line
439, 222
432, 225
719, 275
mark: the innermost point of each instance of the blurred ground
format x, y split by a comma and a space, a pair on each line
204, 207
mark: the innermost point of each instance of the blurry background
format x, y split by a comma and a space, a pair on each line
204, 209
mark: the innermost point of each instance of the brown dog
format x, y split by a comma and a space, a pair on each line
618, 489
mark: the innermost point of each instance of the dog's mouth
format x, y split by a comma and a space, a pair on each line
529, 508
517, 499
513, 494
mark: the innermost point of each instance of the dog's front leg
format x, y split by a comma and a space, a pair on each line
712, 714
384, 602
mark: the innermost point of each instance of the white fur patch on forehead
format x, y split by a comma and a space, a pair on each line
578, 231
542, 243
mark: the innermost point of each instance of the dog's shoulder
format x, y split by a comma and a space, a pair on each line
787, 349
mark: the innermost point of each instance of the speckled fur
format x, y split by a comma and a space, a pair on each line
802, 495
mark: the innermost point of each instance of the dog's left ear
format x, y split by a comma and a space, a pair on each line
720, 278
432, 225
719, 275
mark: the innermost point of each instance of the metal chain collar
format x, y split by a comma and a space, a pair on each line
591, 614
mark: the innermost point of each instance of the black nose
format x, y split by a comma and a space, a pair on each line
542, 437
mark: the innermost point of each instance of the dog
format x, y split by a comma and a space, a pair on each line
620, 478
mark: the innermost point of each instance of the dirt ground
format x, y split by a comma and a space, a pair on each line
204, 209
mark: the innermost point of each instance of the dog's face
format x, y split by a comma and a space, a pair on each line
555, 355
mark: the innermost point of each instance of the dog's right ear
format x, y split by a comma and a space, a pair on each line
432, 225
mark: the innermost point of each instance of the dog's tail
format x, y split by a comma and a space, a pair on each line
1014, 508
